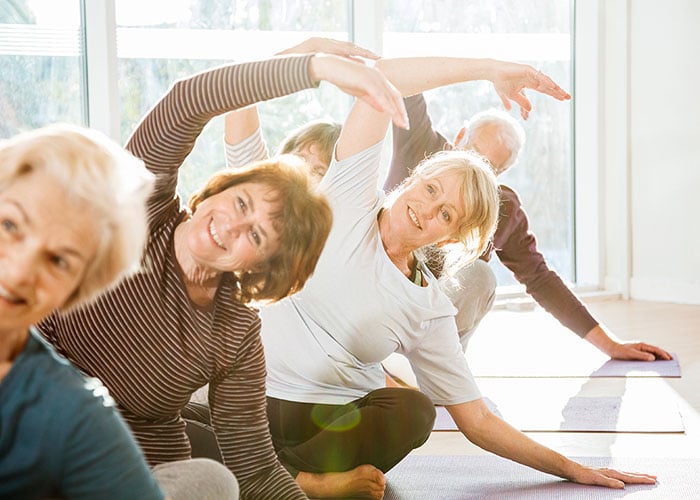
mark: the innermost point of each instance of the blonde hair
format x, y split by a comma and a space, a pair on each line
106, 180
479, 192
303, 219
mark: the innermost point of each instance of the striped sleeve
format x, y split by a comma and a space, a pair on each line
239, 418
167, 134
250, 149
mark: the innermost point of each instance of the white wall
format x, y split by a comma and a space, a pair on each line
651, 148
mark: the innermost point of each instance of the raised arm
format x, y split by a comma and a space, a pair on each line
365, 126
414, 75
168, 132
241, 124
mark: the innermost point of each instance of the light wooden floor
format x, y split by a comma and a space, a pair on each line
674, 327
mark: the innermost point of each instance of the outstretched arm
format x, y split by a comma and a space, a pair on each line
365, 126
517, 249
489, 432
414, 75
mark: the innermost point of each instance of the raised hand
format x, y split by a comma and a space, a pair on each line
511, 79
363, 82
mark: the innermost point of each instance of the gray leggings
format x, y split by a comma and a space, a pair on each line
472, 290
196, 479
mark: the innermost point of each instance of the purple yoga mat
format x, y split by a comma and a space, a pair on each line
439, 477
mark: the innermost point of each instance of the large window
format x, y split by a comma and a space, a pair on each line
157, 46
156, 42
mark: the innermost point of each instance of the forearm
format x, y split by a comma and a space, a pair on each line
248, 150
550, 292
412, 75
491, 433
516, 446
600, 339
240, 124
167, 134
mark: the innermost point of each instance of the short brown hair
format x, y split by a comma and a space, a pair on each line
322, 133
303, 220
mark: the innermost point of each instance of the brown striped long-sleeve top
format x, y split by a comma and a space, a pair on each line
153, 347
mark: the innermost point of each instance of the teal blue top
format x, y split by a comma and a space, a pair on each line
61, 436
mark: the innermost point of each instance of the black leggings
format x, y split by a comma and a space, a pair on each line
379, 429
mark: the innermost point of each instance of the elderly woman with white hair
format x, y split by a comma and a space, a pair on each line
72, 224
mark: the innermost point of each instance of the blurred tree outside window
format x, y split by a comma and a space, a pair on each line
157, 46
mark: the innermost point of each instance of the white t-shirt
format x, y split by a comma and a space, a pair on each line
325, 344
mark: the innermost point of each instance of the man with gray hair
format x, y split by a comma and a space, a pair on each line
499, 137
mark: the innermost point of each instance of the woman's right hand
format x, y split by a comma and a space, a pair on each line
610, 478
364, 82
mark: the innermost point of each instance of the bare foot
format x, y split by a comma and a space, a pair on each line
364, 481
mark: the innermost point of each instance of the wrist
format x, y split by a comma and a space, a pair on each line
601, 340
317, 65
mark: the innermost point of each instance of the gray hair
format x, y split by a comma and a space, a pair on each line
510, 133
94, 171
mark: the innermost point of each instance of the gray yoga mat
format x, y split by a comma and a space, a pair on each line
439, 477
583, 414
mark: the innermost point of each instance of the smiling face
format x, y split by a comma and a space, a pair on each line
426, 211
46, 243
233, 230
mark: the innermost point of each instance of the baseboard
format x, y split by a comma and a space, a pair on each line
665, 290
514, 298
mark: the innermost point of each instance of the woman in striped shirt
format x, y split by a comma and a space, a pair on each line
184, 319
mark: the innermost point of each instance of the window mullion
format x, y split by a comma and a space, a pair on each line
367, 23
101, 66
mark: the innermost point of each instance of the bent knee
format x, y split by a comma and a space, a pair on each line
418, 411
196, 478
478, 275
